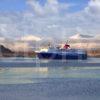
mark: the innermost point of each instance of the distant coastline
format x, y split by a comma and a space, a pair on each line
6, 52
94, 53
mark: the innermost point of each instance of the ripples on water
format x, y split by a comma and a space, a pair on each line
39, 71
32, 62
33, 79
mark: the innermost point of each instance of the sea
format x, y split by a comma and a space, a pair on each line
34, 79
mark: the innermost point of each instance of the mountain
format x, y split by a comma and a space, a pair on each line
80, 36
5, 52
4, 49
85, 41
30, 38
97, 37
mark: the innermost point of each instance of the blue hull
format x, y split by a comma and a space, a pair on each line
44, 55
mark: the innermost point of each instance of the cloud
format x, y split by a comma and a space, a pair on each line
48, 21
51, 23
50, 7
36, 7
92, 16
93, 7
20, 46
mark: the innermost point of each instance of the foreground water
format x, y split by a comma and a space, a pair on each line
31, 79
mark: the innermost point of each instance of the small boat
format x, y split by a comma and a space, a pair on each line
66, 53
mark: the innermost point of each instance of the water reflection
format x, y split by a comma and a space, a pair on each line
41, 74
31, 62
22, 75
29, 70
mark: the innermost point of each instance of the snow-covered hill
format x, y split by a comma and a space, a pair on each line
81, 36
30, 38
85, 41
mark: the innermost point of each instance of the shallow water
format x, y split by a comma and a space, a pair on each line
31, 79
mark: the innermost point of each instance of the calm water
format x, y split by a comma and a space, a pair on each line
32, 79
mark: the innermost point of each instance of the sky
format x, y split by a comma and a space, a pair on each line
20, 5
49, 18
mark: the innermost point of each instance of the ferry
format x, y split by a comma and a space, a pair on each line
65, 53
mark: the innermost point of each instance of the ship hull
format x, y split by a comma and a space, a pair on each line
74, 56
